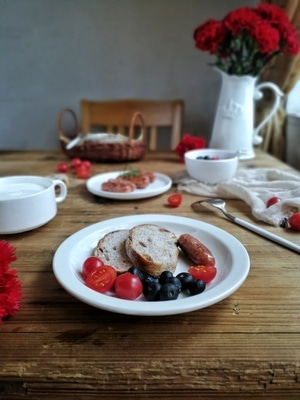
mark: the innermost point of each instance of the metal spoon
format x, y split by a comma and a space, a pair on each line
220, 204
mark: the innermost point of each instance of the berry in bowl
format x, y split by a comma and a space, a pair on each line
211, 166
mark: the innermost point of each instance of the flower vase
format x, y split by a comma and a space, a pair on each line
233, 127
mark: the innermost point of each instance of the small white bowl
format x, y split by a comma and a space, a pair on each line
220, 166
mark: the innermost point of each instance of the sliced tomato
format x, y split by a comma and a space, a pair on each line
204, 272
128, 286
101, 279
175, 200
90, 264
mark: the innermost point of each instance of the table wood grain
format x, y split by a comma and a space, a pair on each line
56, 347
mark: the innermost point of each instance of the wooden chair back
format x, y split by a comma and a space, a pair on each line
116, 115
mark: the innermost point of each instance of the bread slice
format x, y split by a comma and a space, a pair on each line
111, 250
152, 248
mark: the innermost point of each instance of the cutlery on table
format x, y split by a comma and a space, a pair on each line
220, 205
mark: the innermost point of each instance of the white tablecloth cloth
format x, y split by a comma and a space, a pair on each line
254, 186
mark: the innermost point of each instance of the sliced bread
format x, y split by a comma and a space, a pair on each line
152, 248
111, 250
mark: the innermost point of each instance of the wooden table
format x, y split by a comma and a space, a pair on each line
56, 347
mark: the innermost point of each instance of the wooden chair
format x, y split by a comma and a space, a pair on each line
116, 115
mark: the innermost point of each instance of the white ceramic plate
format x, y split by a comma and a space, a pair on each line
232, 262
161, 184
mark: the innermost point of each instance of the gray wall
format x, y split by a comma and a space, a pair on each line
55, 52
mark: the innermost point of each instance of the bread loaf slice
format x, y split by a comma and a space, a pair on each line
152, 248
111, 250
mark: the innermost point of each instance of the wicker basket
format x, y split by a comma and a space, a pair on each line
130, 150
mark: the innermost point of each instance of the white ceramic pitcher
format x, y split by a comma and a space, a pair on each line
234, 120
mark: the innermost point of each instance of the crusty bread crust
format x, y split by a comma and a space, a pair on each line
152, 248
111, 250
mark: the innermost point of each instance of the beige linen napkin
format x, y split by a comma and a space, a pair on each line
254, 186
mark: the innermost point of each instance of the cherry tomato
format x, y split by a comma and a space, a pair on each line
294, 221
62, 167
128, 286
75, 162
101, 279
90, 264
175, 200
272, 200
86, 163
83, 172
204, 272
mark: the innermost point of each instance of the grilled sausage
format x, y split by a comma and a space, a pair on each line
118, 186
140, 181
195, 250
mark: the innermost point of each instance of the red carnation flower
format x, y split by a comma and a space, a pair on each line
248, 39
271, 13
189, 142
240, 20
10, 293
266, 37
7, 254
10, 286
209, 35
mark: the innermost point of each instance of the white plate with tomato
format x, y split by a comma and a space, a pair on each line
232, 263
161, 184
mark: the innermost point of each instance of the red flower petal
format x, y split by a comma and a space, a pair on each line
10, 286
189, 142
7, 254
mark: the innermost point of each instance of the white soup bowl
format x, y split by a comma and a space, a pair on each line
28, 202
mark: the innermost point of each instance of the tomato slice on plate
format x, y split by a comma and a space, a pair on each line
90, 264
101, 279
204, 272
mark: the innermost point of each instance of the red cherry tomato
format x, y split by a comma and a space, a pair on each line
294, 221
272, 200
75, 162
83, 172
62, 167
101, 279
128, 286
204, 272
175, 200
86, 163
90, 264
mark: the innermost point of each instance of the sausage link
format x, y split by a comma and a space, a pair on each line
118, 186
195, 250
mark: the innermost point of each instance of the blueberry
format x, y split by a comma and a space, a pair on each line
185, 279
168, 291
138, 272
149, 279
175, 281
197, 286
164, 276
151, 291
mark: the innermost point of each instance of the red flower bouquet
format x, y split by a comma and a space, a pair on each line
10, 286
189, 142
248, 39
